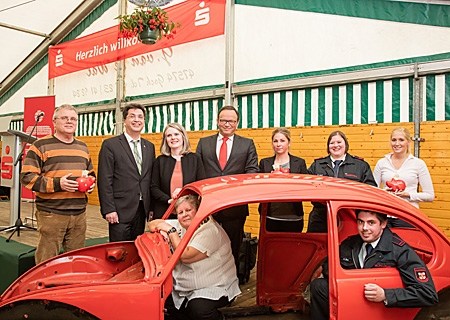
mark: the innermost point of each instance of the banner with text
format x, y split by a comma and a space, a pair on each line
198, 19
37, 122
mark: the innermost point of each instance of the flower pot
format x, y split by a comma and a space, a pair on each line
148, 36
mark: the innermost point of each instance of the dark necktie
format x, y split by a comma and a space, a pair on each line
336, 166
223, 153
369, 249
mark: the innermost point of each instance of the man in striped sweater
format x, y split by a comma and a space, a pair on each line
50, 169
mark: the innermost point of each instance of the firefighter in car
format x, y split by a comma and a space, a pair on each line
376, 246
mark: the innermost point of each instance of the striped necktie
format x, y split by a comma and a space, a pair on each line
137, 155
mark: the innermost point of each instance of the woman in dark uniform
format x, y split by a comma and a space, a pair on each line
339, 164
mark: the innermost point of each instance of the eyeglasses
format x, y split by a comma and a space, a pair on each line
66, 119
134, 117
223, 121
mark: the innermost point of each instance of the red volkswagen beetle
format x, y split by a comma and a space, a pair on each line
132, 280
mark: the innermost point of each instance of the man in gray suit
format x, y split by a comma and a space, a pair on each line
124, 175
226, 153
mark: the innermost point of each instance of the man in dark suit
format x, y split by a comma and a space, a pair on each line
124, 175
226, 153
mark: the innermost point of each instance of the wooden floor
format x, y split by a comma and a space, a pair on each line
97, 227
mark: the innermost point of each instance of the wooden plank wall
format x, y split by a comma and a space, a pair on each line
368, 141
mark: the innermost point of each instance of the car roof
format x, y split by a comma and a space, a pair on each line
263, 187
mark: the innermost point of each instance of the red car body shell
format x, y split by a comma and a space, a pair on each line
132, 280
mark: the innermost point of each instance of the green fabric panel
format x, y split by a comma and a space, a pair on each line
271, 109
153, 110
239, 109
161, 114
210, 114
397, 11
335, 105
249, 111
349, 103
307, 107
396, 100
321, 107
283, 108
183, 114
447, 96
176, 118
260, 111
364, 103
294, 107
430, 98
379, 101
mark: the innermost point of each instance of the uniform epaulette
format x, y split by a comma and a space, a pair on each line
356, 157
397, 240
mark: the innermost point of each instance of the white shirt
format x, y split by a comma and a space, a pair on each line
363, 252
131, 144
219, 144
212, 277
413, 171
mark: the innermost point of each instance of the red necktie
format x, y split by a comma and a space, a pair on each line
223, 153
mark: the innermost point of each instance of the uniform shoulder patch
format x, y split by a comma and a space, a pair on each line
421, 274
356, 157
397, 240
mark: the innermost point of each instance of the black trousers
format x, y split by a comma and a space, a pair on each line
235, 231
320, 308
317, 221
195, 309
124, 231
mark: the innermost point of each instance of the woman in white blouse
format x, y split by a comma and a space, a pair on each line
401, 164
204, 278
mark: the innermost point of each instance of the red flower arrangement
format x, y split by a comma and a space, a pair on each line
145, 17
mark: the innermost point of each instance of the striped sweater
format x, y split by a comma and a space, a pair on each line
49, 159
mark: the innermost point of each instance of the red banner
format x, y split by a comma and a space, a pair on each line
37, 111
199, 20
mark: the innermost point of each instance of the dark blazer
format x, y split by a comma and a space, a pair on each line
243, 159
297, 165
353, 168
119, 181
192, 169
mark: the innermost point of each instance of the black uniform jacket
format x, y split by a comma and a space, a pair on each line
192, 169
353, 168
392, 251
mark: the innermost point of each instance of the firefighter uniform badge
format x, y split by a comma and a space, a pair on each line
421, 274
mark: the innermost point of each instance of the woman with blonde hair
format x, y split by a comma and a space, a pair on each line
283, 216
401, 164
174, 168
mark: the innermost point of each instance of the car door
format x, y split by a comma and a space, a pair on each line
346, 287
286, 261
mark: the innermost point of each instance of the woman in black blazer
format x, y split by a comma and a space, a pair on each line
174, 168
283, 216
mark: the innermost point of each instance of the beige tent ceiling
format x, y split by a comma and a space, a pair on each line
28, 27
